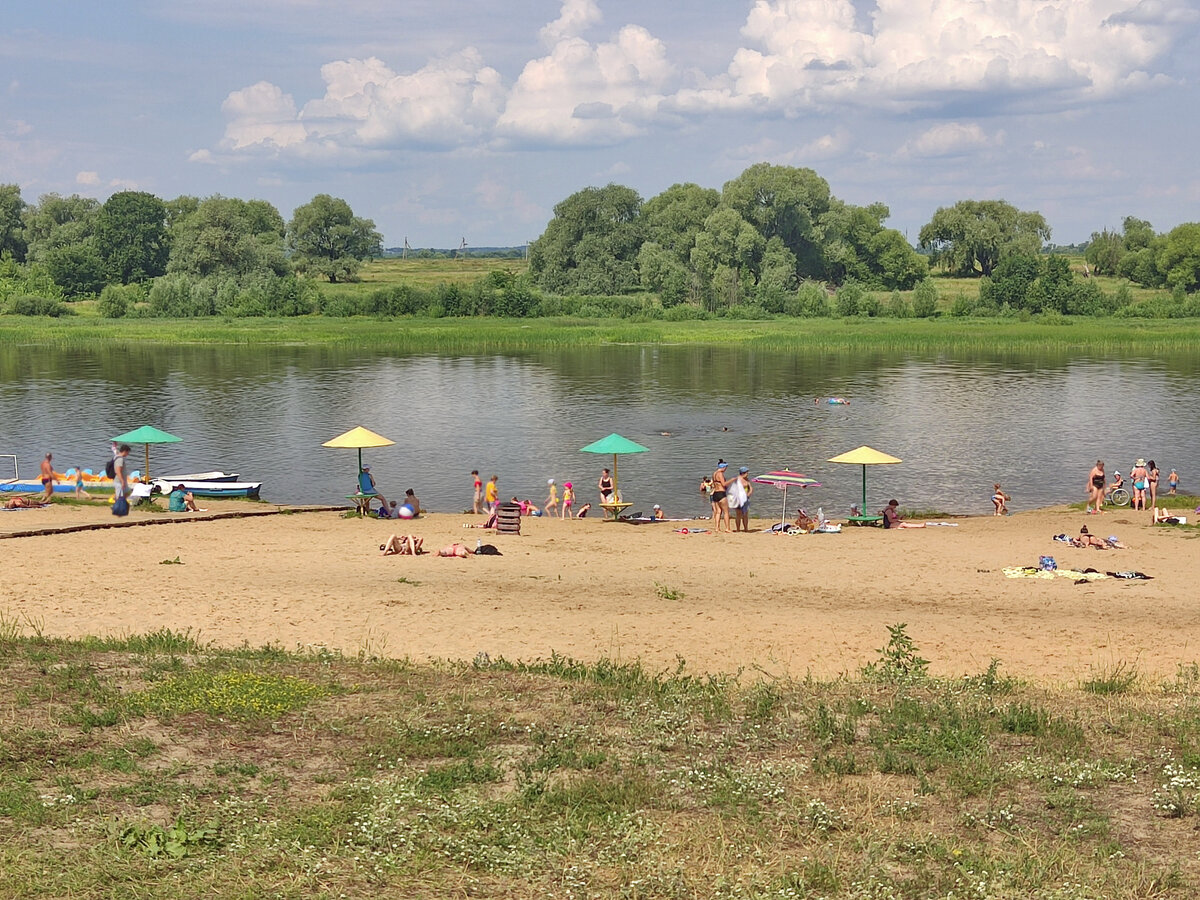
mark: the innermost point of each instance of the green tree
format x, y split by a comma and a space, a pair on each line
673, 218
12, 230
783, 202
974, 236
228, 236
1138, 233
1104, 252
1009, 283
591, 245
131, 237
76, 268
326, 237
1179, 259
730, 247
58, 222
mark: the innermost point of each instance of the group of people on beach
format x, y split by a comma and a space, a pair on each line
1143, 484
728, 495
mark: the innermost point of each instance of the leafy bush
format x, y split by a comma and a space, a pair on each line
30, 305
924, 302
118, 300
810, 301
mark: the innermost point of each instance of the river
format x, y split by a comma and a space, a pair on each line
1035, 423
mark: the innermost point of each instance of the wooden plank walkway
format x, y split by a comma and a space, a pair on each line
169, 520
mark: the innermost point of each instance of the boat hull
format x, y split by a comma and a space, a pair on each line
218, 489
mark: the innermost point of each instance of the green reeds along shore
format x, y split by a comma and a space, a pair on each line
409, 335
155, 766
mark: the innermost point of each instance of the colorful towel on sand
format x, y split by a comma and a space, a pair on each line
1047, 574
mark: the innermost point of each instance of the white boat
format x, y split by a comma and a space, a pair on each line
201, 476
211, 488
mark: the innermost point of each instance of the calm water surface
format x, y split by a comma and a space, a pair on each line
1034, 423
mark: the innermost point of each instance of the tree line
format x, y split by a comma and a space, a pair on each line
187, 256
773, 240
772, 229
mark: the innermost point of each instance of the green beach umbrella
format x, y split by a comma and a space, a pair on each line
865, 456
357, 438
614, 444
146, 435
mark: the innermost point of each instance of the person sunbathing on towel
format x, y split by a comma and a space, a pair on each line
402, 545
1087, 539
21, 503
456, 550
1162, 517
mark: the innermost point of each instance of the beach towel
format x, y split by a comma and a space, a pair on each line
1048, 574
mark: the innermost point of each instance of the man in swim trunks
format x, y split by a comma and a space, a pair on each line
1173, 481
720, 502
47, 478
1095, 487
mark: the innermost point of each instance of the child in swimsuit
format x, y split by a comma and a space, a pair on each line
568, 499
1173, 481
551, 504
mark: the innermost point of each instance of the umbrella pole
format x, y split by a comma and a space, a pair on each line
783, 515
864, 506
616, 497
147, 475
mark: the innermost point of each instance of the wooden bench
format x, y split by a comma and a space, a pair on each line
864, 520
612, 511
362, 502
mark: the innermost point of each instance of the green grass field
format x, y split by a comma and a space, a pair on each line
154, 767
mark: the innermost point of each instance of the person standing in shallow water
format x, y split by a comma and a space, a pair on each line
1095, 486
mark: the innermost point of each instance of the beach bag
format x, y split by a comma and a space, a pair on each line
120, 506
110, 468
1047, 563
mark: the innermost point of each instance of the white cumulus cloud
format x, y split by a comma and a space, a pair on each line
589, 93
575, 18
87, 178
950, 139
925, 52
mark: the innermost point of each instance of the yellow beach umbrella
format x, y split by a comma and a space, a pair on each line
357, 438
865, 456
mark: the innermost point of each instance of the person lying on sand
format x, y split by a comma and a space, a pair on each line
402, 545
1162, 517
456, 550
1086, 539
21, 503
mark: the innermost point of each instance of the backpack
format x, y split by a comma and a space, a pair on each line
110, 468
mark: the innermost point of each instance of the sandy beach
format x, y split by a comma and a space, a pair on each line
800, 604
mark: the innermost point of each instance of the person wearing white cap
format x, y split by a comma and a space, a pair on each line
658, 513
550, 507
720, 502
740, 490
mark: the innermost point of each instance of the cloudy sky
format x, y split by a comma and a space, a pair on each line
442, 120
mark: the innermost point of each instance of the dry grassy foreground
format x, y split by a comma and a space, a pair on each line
154, 767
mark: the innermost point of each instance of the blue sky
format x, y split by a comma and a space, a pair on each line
447, 120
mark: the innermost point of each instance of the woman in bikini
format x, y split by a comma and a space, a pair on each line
1152, 483
1095, 486
719, 502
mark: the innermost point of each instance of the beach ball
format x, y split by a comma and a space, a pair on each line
406, 512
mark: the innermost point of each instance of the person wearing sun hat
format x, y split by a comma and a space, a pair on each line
1139, 477
739, 493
